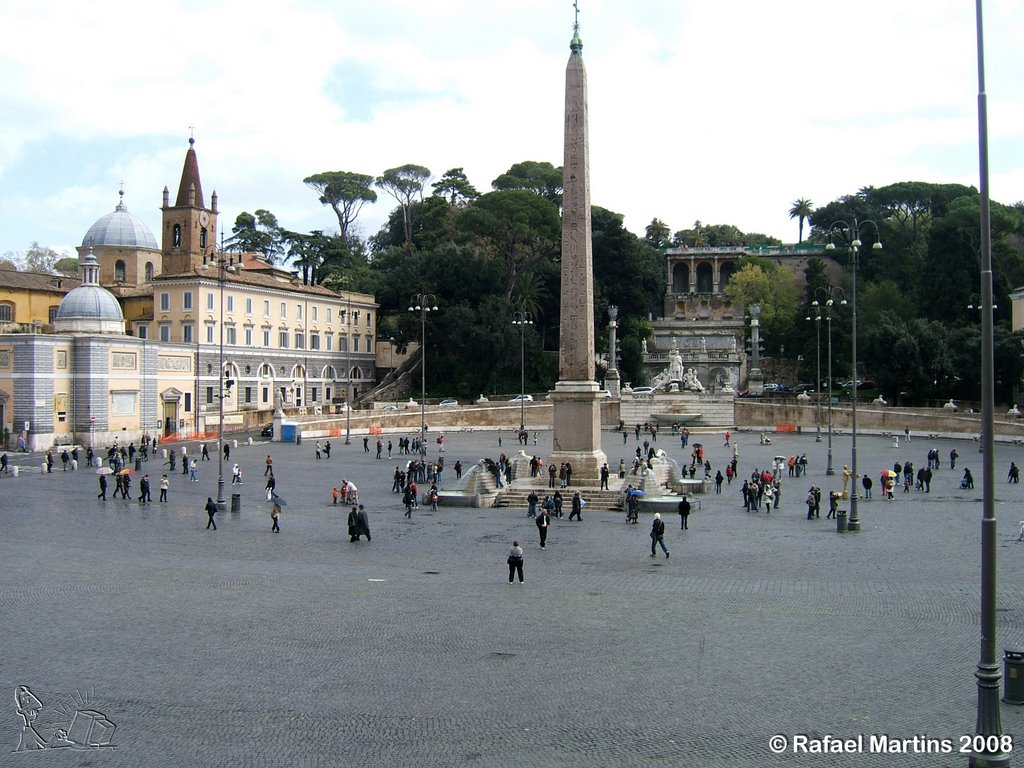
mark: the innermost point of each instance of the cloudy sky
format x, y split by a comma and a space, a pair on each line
723, 111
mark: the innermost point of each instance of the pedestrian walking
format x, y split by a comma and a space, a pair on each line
953, 456
205, 453
318, 449
867, 483
358, 524
334, 495
576, 509
275, 515
271, 485
408, 498
604, 477
144, 495
270, 466
658, 535
1014, 474
327, 449
515, 562
684, 513
211, 510
103, 488
227, 451
164, 485
193, 472
543, 522
532, 500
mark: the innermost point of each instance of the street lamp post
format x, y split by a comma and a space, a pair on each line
522, 318
348, 376
829, 303
423, 303
817, 386
222, 264
852, 230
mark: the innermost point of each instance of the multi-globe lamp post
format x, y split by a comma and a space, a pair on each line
829, 303
851, 232
522, 318
223, 265
423, 303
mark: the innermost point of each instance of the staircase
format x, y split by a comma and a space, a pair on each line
606, 501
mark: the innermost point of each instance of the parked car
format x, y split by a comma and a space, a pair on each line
522, 399
449, 401
643, 390
267, 430
390, 408
775, 387
799, 388
605, 393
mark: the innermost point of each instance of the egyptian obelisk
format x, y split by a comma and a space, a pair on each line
577, 407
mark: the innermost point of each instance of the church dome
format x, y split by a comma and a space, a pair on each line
120, 228
89, 308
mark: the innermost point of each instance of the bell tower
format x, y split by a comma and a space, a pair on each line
189, 227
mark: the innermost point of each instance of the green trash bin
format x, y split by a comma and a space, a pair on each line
841, 520
1013, 675
236, 502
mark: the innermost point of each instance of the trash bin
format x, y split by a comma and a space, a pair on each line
138, 465
236, 502
895, 441
1013, 675
841, 521
298, 436
15, 470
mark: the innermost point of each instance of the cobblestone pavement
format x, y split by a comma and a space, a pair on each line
239, 647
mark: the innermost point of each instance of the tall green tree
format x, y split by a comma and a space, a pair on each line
454, 187
657, 233
516, 228
801, 210
405, 183
540, 178
345, 192
259, 233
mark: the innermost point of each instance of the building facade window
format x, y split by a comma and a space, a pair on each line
165, 302
6, 313
209, 395
266, 337
142, 331
186, 300
119, 271
248, 337
52, 315
284, 310
247, 399
209, 300
369, 343
149, 271
314, 314
282, 339
343, 343
165, 331
186, 333
329, 339
176, 236
266, 309
328, 315
298, 311
314, 341
188, 402
369, 320
210, 328
248, 306
300, 340
229, 334
231, 303
355, 343
202, 237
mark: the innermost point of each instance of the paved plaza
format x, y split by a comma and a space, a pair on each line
239, 647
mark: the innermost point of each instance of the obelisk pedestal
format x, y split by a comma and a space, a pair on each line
576, 398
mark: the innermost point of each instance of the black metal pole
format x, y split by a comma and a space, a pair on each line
987, 674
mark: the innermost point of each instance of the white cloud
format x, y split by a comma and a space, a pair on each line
724, 112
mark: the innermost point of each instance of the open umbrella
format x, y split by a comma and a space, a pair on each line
104, 471
126, 472
275, 499
888, 473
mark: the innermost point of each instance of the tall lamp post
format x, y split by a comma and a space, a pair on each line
987, 672
223, 265
852, 232
817, 386
423, 303
348, 375
829, 303
522, 318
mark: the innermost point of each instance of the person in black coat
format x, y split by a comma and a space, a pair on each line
211, 510
658, 534
684, 513
543, 523
358, 524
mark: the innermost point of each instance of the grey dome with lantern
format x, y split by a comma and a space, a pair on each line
120, 229
89, 308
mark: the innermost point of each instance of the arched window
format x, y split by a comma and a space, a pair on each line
202, 237
149, 271
725, 274
6, 312
705, 278
119, 271
176, 236
681, 278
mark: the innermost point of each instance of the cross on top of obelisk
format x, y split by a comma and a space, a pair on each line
577, 44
